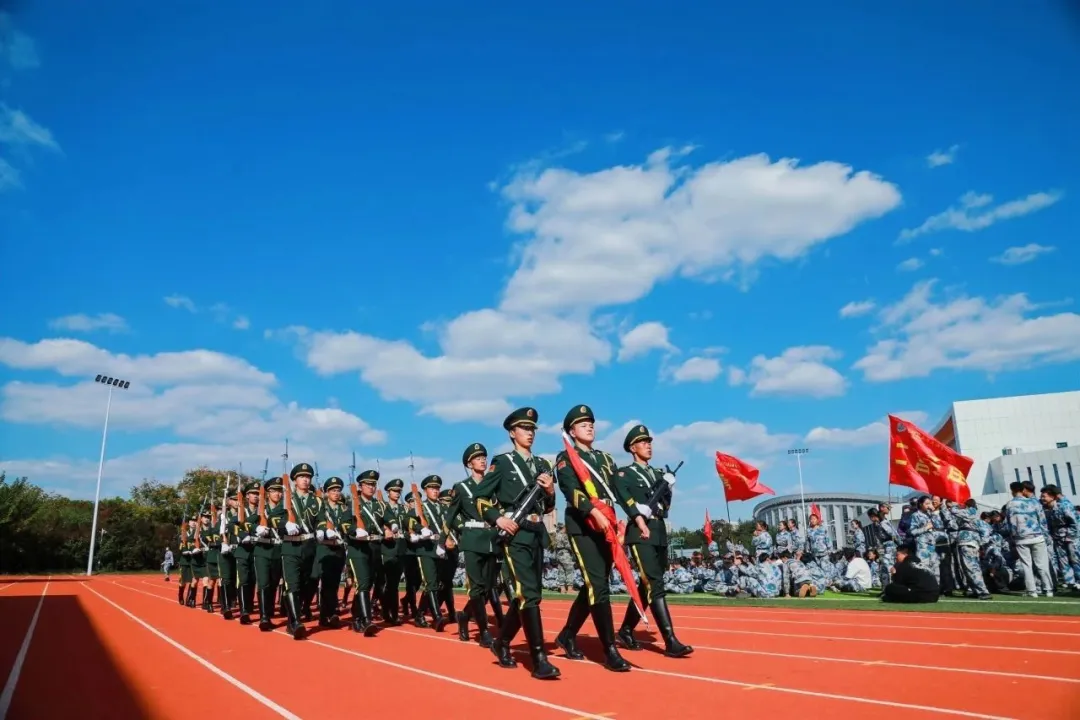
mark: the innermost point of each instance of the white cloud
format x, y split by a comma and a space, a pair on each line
607, 237
9, 176
181, 301
736, 376
614, 137
17, 49
874, 433
1022, 254
797, 371
965, 333
910, 264
936, 252
643, 338
697, 369
241, 323
89, 323
942, 157
17, 129
855, 308
974, 214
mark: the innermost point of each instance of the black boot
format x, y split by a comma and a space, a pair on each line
191, 596
390, 606
225, 600
625, 635
673, 648
500, 647
567, 638
436, 615
534, 633
419, 610
357, 614
307, 595
208, 599
480, 615
462, 618
496, 606
448, 600
365, 609
244, 596
180, 595
266, 609
295, 627
605, 629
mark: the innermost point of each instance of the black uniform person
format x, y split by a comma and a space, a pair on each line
591, 548
477, 537
647, 538
505, 486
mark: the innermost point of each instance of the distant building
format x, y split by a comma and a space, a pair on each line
838, 509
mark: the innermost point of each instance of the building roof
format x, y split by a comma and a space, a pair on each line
841, 497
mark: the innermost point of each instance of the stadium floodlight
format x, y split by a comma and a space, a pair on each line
113, 384
798, 453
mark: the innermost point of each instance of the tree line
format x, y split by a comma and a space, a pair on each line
47, 532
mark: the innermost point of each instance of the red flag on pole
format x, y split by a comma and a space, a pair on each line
708, 528
815, 510
918, 460
740, 479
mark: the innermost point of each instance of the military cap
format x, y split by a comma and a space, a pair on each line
473, 451
251, 487
522, 417
395, 484
205, 513
273, 483
637, 433
408, 497
446, 494
368, 477
302, 469
578, 413
431, 481
331, 483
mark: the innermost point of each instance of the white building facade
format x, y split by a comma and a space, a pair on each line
1028, 437
837, 511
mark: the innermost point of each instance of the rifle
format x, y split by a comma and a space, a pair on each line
198, 526
528, 498
315, 482
661, 488
354, 490
213, 505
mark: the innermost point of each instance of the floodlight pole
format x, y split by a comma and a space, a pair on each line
111, 382
798, 453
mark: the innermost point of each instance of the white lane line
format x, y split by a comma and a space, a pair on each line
265, 701
16, 670
455, 681
876, 626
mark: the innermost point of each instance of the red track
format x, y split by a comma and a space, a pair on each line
121, 647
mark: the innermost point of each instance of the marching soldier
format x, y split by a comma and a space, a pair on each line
591, 548
298, 545
186, 591
198, 561
365, 534
242, 540
505, 486
393, 550
412, 570
428, 548
477, 542
227, 562
211, 540
447, 564
330, 553
268, 552
647, 538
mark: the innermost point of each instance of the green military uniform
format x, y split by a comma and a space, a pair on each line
330, 553
242, 538
393, 552
297, 549
211, 540
446, 565
635, 485
476, 538
227, 564
186, 577
268, 553
411, 567
593, 553
426, 543
365, 533
505, 488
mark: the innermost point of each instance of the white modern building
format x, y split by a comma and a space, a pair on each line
1028, 437
837, 511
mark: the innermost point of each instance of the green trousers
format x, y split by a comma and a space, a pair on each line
651, 561
198, 565
185, 570
478, 575
392, 572
213, 563
227, 568
592, 553
267, 566
330, 561
429, 573
525, 563
365, 560
297, 564
244, 559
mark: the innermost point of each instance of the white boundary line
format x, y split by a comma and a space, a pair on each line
995, 631
16, 669
891, 614
267, 702
578, 714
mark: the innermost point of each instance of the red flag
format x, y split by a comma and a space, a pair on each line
740, 479
815, 510
917, 460
618, 552
708, 528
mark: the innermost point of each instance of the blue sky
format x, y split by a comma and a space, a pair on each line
378, 231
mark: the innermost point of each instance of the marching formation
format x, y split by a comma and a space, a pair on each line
285, 533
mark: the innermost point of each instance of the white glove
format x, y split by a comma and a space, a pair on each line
262, 531
226, 548
645, 511
331, 534
425, 532
394, 528
320, 535
414, 538
361, 533
292, 528
247, 540
669, 478
439, 551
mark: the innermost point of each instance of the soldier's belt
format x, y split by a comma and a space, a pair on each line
299, 538
476, 524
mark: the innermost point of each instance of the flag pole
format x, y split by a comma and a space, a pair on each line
798, 453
